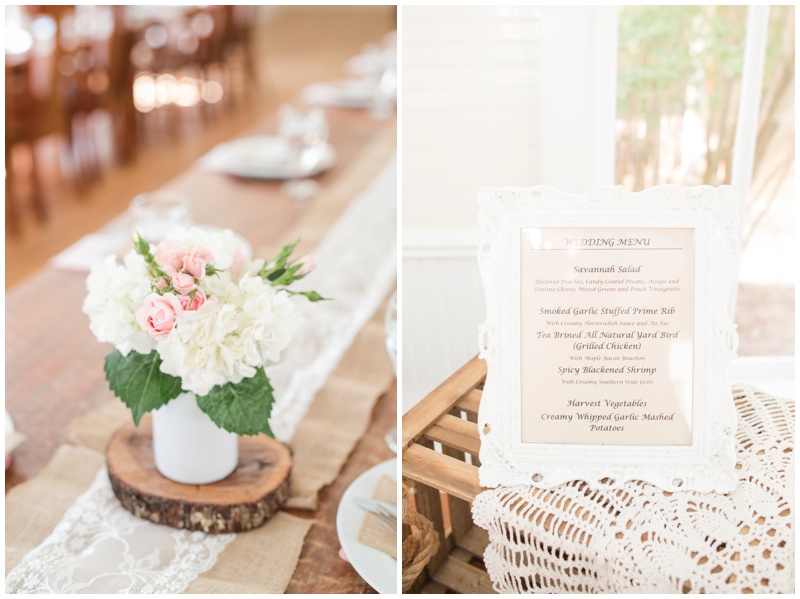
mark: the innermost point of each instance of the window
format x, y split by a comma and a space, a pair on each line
678, 89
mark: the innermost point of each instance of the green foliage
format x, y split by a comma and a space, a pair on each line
137, 380
311, 296
242, 408
280, 272
663, 49
143, 249
278, 262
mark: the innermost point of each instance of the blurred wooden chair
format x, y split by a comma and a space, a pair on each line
238, 42
183, 58
33, 111
73, 68
95, 74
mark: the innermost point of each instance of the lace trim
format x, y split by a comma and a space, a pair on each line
357, 266
100, 547
641, 539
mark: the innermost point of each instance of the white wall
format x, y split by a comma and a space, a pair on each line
492, 95
470, 107
578, 95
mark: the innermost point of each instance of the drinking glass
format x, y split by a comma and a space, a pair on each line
156, 213
306, 130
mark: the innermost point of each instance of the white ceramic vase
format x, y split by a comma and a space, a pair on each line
188, 447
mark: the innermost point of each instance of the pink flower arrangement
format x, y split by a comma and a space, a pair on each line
184, 318
177, 273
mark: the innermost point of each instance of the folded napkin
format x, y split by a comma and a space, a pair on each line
260, 151
82, 255
372, 532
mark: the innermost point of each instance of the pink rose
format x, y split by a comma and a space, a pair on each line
157, 316
183, 283
161, 284
170, 256
308, 264
195, 260
193, 303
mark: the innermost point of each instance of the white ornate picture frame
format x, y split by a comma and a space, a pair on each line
513, 223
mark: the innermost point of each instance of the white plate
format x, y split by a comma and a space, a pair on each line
264, 157
375, 567
350, 93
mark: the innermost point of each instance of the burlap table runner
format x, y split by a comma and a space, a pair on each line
263, 560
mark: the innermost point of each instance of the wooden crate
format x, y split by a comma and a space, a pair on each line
444, 484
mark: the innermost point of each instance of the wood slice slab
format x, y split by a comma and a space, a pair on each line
244, 500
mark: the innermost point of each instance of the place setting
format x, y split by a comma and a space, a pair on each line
299, 149
367, 526
366, 520
371, 85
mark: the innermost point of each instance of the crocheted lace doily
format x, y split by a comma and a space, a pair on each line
641, 539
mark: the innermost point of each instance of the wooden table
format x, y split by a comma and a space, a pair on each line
54, 366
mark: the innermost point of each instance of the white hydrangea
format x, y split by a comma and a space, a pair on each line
248, 325
243, 325
115, 292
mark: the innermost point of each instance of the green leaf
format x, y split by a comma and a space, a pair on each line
141, 246
284, 253
143, 249
285, 276
212, 270
137, 380
278, 263
242, 408
275, 275
311, 296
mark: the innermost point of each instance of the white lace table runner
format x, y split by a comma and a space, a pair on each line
100, 547
644, 540
357, 267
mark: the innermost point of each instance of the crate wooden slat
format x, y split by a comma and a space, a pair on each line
441, 472
433, 588
460, 576
470, 402
475, 541
456, 433
418, 419
458, 564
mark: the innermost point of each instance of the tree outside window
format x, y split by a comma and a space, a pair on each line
678, 88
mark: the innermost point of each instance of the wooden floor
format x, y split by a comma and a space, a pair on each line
295, 46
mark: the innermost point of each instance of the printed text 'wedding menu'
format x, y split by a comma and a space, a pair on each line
606, 335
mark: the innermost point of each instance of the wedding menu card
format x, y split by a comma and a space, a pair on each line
606, 336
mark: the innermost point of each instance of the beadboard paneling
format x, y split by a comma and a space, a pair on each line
471, 98
443, 304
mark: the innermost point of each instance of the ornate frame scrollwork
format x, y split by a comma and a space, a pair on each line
705, 465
